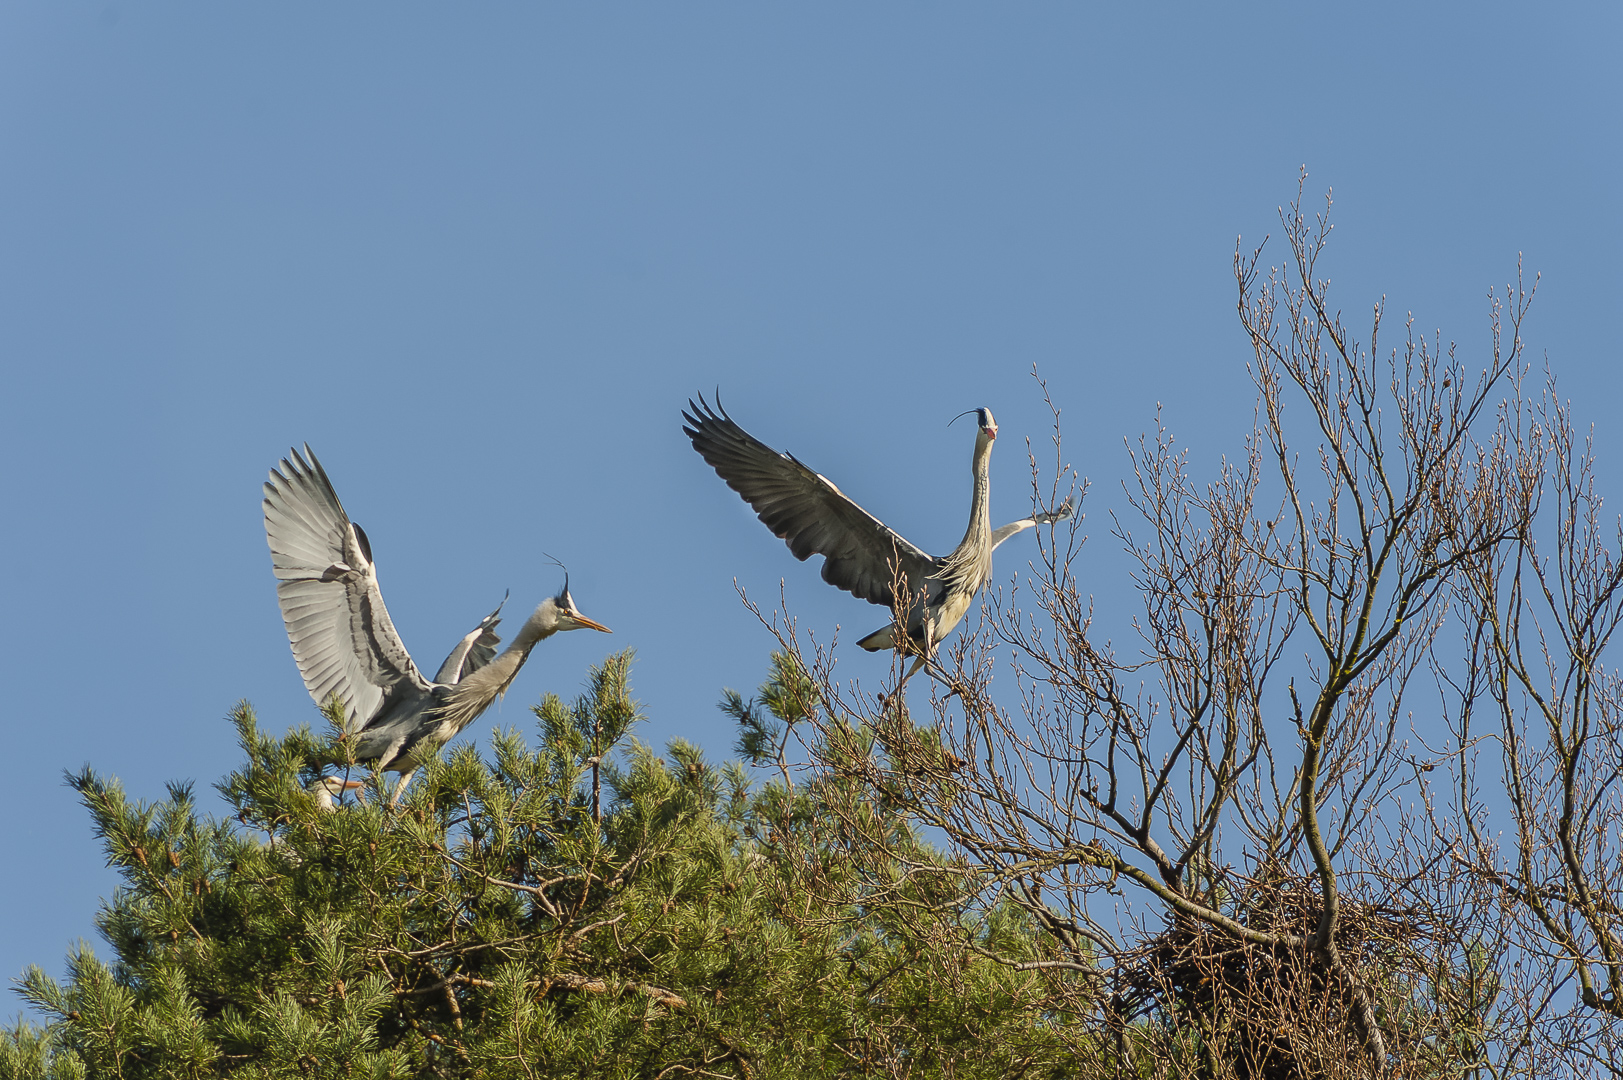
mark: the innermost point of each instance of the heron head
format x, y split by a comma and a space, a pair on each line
983, 417
569, 616
328, 788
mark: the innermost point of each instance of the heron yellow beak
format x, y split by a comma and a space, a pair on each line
592, 624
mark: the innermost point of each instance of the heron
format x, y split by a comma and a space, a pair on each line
326, 788
347, 648
860, 553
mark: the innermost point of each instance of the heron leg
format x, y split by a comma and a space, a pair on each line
896, 695
400, 787
939, 673
927, 661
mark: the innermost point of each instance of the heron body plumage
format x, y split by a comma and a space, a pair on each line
346, 646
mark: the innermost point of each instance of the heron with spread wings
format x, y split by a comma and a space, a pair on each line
346, 646
860, 554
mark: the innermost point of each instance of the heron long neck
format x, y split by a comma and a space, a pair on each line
971, 561
465, 701
537, 627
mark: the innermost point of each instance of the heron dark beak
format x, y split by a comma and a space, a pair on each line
591, 624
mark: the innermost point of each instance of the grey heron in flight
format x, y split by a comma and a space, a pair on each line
346, 646
860, 554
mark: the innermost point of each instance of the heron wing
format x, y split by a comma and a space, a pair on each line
342, 637
476, 649
860, 553
1047, 517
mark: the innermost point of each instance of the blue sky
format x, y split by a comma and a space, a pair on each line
480, 257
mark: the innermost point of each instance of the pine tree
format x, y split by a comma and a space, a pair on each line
579, 906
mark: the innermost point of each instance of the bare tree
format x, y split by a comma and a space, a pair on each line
1539, 735
1242, 866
